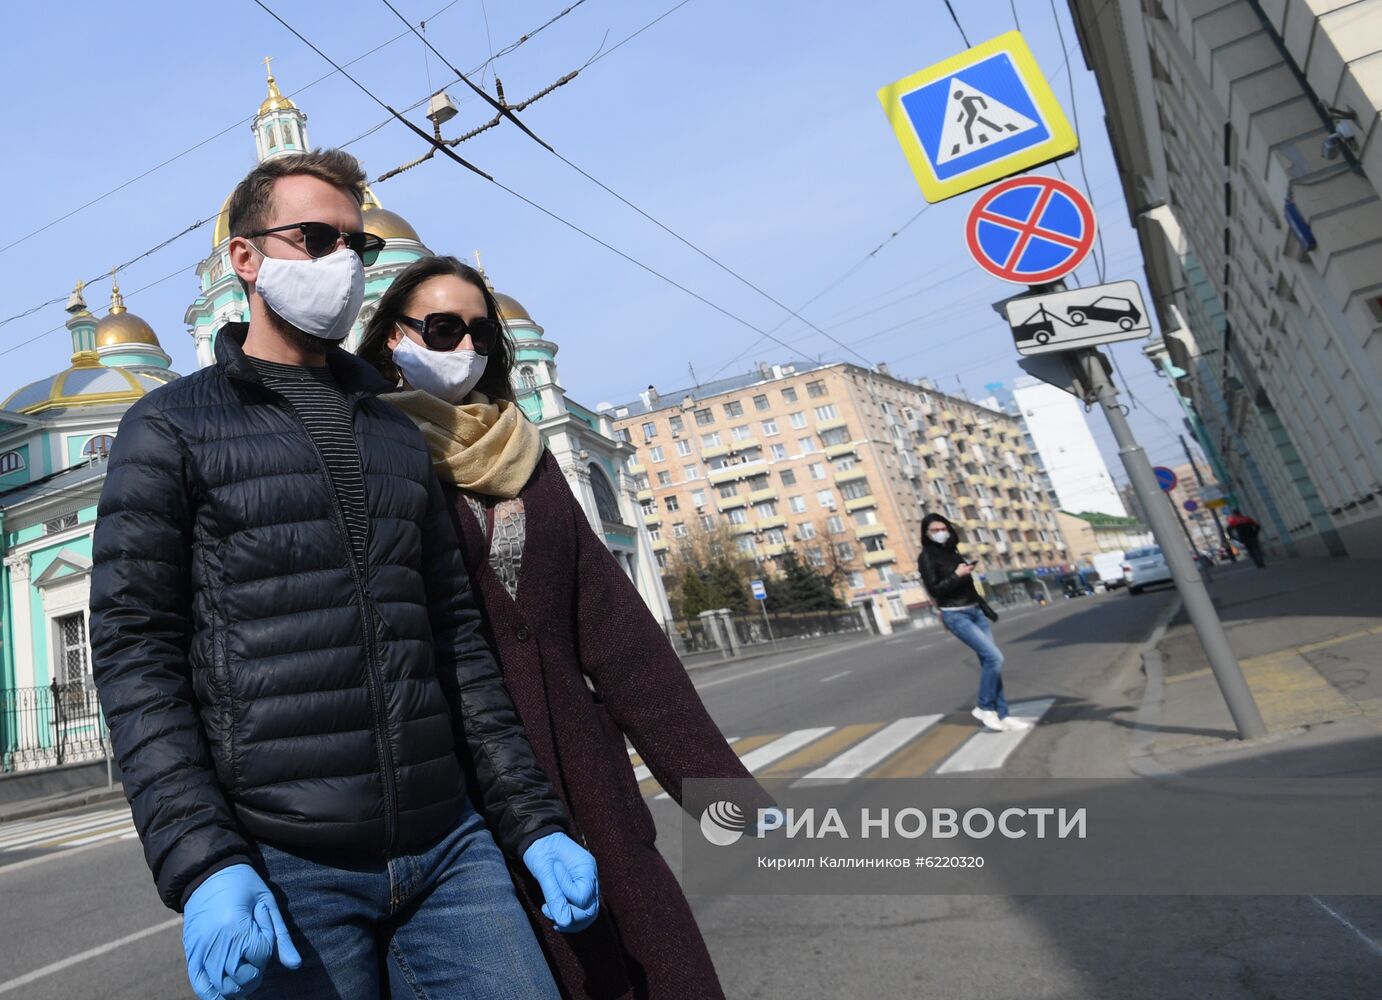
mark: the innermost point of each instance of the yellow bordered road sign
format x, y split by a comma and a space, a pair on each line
977, 117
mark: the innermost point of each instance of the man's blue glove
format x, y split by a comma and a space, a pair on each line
566, 872
229, 928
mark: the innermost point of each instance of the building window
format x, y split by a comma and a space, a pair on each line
649, 431
827, 412
683, 448
678, 530
12, 461
738, 516
605, 503
655, 533
815, 389
797, 505
768, 508
655, 454
664, 478
789, 478
745, 543
710, 440
807, 530
640, 481
817, 470
675, 424
789, 395
98, 446
856, 579
708, 522
798, 419
73, 665
826, 498
661, 558
778, 450
527, 377
760, 402
704, 417
836, 435
734, 408
670, 504
835, 524
815, 557
769, 428
856, 488
806, 444
57, 524
844, 551
775, 536
864, 518
740, 433
649, 507
728, 490
698, 498
845, 464
691, 471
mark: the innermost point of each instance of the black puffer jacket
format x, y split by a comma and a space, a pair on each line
256, 687
937, 566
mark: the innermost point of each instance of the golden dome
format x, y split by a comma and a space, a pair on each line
121, 326
221, 231
275, 101
510, 309
389, 225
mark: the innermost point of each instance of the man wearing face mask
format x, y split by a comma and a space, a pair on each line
287, 652
949, 579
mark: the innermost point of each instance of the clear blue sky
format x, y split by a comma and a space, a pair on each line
752, 129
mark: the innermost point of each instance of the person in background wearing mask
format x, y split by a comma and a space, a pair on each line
288, 653
585, 660
949, 579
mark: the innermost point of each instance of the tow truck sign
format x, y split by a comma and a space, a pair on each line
1082, 317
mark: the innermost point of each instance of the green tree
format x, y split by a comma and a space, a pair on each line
797, 587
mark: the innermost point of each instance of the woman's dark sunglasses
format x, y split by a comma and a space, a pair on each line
320, 239
443, 331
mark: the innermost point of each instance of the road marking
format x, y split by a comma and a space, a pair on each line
24, 828
926, 752
822, 750
1373, 945
836, 677
21, 840
833, 651
71, 960
987, 750
772, 749
874, 750
649, 785
119, 831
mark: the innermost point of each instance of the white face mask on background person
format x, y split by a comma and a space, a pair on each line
939, 537
448, 375
321, 296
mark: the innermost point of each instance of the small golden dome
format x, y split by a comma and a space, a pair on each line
510, 309
121, 326
221, 231
275, 101
388, 225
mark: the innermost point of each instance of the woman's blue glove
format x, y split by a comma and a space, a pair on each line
566, 872
229, 928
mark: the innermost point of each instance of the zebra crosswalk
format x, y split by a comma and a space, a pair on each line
25, 837
904, 748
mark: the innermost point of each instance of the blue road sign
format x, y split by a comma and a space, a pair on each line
759, 591
1030, 230
1165, 478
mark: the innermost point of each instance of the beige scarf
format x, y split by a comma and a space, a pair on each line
484, 447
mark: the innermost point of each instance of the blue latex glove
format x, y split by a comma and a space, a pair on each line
229, 928
566, 872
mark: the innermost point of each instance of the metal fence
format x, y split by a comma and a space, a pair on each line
47, 726
698, 635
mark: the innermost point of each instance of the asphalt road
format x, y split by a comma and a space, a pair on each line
81, 919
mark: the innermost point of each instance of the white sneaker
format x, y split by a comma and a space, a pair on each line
988, 717
1015, 725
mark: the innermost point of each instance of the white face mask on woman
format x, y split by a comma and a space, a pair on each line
320, 296
448, 375
939, 537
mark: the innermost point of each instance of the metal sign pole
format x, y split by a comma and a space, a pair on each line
767, 624
1221, 658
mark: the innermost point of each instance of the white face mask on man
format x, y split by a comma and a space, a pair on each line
448, 375
320, 296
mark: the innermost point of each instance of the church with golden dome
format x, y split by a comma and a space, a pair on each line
55, 433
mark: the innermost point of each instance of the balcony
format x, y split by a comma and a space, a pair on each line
714, 451
879, 558
836, 450
743, 470
644, 495
934, 474
652, 520
849, 475
870, 530
729, 503
775, 521
775, 550
660, 545
745, 444
861, 503
763, 496
743, 529
637, 468
829, 425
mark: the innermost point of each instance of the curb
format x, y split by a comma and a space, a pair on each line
58, 805
1140, 758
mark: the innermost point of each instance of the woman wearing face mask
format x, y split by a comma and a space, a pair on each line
949, 579
585, 661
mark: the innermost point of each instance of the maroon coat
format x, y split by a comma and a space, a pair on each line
578, 616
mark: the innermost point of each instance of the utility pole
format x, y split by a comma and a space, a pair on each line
1222, 660
1199, 478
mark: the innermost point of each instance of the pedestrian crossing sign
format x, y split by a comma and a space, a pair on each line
977, 117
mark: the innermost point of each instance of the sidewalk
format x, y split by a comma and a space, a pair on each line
1308, 634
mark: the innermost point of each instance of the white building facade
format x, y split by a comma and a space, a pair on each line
1071, 458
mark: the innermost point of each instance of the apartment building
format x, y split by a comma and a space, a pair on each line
841, 463
1247, 142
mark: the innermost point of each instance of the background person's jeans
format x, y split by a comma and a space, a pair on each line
442, 924
971, 627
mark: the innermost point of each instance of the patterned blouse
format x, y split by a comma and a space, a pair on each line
506, 548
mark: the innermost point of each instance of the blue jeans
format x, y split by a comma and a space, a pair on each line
443, 923
971, 627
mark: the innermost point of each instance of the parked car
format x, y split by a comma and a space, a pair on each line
1109, 566
1144, 567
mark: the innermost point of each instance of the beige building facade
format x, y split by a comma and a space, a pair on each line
1247, 142
840, 463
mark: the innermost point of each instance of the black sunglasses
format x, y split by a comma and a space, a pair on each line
443, 331
320, 239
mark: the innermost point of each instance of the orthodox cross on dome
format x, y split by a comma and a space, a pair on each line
76, 302
268, 70
481, 268
117, 301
